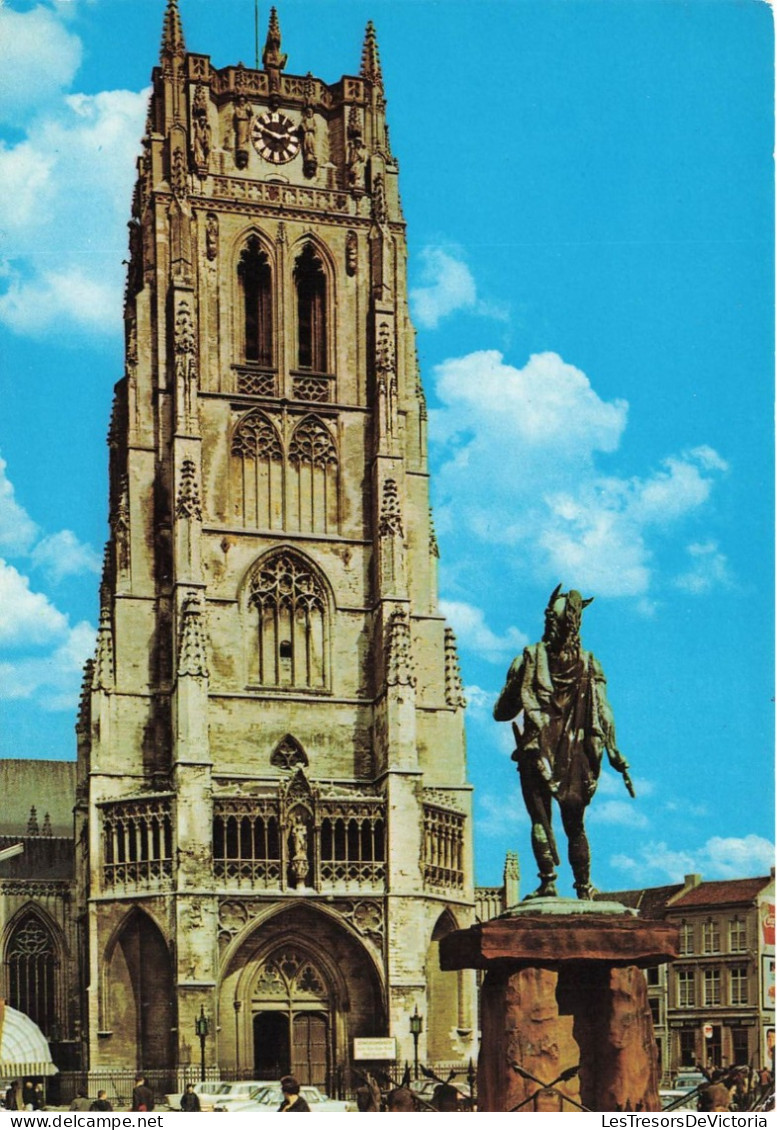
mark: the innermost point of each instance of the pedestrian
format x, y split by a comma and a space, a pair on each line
37, 1097
293, 1102
445, 1098
101, 1102
142, 1095
400, 1101
13, 1096
190, 1101
81, 1101
27, 1095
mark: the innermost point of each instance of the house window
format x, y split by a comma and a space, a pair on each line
655, 1010
256, 283
738, 985
686, 989
739, 1045
737, 935
651, 975
292, 620
711, 936
686, 937
688, 1055
711, 986
310, 281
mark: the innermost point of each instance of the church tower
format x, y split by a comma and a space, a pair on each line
273, 820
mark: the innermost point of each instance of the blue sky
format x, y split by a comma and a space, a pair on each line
588, 187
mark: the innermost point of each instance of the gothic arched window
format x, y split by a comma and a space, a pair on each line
256, 283
257, 478
310, 281
291, 607
32, 966
312, 492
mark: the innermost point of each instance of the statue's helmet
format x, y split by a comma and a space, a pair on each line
565, 610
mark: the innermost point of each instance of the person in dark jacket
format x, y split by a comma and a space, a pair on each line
101, 1102
190, 1101
142, 1095
81, 1101
293, 1102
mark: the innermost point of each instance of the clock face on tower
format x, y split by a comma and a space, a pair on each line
275, 137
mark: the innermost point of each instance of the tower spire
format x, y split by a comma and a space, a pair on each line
172, 32
370, 65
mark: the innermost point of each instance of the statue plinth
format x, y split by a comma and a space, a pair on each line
565, 1019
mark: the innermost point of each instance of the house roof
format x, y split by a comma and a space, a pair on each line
651, 902
721, 892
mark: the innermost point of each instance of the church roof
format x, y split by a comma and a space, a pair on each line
48, 785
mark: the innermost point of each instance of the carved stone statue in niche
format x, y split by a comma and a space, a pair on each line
211, 236
308, 132
201, 132
299, 852
357, 153
242, 121
351, 253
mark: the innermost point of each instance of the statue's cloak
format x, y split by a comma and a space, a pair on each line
567, 718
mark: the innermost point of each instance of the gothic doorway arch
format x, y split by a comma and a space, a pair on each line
291, 1003
296, 989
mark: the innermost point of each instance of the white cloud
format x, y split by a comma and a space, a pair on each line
62, 555
709, 568
500, 815
446, 286
38, 59
67, 188
63, 298
520, 454
474, 634
719, 858
27, 617
17, 529
54, 680
618, 812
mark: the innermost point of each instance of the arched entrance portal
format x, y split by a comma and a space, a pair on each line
291, 1005
295, 992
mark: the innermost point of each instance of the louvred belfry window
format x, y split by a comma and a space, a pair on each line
256, 283
310, 282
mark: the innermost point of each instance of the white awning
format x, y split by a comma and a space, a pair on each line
24, 1049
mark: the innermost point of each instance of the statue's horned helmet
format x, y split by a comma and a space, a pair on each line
567, 606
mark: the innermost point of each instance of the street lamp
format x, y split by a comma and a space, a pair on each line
416, 1028
202, 1028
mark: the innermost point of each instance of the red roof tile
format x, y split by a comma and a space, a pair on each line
720, 892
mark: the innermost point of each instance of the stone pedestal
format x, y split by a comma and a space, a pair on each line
565, 1021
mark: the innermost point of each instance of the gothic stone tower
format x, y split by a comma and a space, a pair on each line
273, 818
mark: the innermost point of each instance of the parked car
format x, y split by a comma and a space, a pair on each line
206, 1093
235, 1096
269, 1097
678, 1100
684, 1095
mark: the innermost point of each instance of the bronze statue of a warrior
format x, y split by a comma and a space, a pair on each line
560, 690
